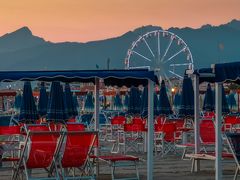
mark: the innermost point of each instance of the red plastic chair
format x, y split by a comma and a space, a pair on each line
207, 132
131, 138
76, 153
38, 151
164, 138
230, 123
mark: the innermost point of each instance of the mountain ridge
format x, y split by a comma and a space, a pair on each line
21, 50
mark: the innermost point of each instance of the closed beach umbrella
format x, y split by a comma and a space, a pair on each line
225, 107
187, 98
118, 102
144, 103
134, 101
89, 105
208, 102
28, 109
75, 101
56, 107
126, 101
164, 104
17, 102
177, 100
43, 101
70, 106
232, 101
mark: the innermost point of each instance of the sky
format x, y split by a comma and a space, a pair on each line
89, 20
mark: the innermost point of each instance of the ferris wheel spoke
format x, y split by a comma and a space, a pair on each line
142, 56
159, 50
148, 47
175, 74
167, 78
173, 56
140, 67
170, 43
183, 64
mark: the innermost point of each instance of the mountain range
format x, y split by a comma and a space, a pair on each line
21, 50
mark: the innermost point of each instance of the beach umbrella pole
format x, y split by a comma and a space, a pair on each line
150, 131
196, 120
218, 133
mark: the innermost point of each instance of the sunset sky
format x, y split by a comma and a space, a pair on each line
88, 20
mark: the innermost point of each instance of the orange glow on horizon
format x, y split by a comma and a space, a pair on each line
88, 20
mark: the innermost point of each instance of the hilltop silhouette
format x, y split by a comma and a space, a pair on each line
21, 50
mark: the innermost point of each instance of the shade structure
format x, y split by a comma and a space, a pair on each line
56, 109
134, 106
70, 106
17, 102
208, 102
232, 101
28, 109
118, 102
43, 101
144, 103
187, 98
89, 105
164, 104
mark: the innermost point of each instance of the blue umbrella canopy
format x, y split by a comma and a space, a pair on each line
118, 102
17, 102
164, 104
208, 102
28, 109
69, 102
134, 106
187, 98
144, 103
43, 101
232, 101
89, 105
56, 107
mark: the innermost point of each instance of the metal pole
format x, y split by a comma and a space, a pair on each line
96, 107
150, 131
218, 131
196, 120
96, 117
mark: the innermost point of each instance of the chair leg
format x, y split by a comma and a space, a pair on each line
236, 173
193, 165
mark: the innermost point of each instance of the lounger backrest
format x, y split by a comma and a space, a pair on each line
207, 131
134, 127
41, 145
179, 123
118, 120
169, 130
230, 120
77, 148
137, 120
9, 130
234, 142
75, 127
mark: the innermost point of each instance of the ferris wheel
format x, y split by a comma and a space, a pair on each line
161, 51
